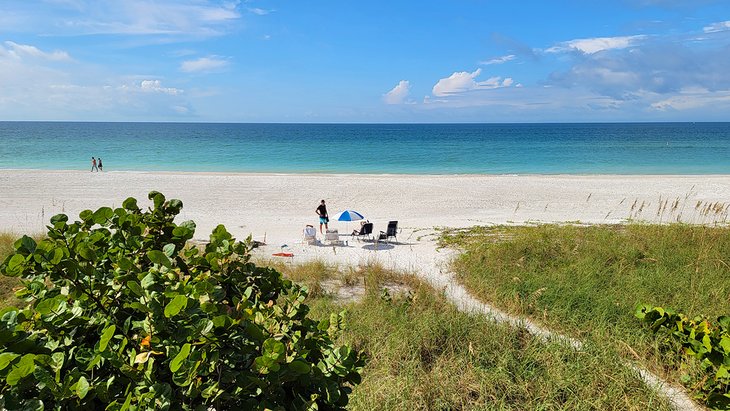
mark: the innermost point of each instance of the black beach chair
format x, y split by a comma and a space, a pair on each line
391, 231
365, 231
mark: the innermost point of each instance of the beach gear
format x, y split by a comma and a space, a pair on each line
349, 215
283, 254
310, 235
391, 231
365, 231
333, 237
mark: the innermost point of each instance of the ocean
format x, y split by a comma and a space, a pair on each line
615, 148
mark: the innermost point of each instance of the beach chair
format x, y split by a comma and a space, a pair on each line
310, 235
391, 231
365, 231
332, 237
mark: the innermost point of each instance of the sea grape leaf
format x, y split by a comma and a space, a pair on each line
173, 307
15, 265
86, 252
274, 349
6, 358
158, 257
135, 287
22, 369
106, 335
82, 387
299, 367
130, 204
169, 250
102, 215
180, 357
59, 218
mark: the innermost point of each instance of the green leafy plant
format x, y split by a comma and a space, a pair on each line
700, 338
123, 314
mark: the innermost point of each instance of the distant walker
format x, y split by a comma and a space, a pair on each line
93, 165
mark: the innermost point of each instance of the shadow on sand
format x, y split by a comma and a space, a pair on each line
378, 246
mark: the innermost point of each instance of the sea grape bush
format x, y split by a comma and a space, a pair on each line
708, 342
123, 314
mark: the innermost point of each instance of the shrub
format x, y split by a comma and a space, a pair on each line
709, 343
123, 314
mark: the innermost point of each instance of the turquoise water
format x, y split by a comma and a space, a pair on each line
631, 148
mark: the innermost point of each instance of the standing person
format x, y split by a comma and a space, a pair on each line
93, 165
101, 166
323, 217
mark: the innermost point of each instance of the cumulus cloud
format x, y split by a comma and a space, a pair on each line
36, 87
23, 50
204, 65
463, 81
398, 94
498, 60
596, 44
155, 86
662, 68
717, 27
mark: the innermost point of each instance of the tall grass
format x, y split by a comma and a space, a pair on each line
426, 355
587, 281
7, 284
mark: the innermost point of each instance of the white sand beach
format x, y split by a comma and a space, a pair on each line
275, 208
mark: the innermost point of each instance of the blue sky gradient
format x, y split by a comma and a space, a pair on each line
375, 61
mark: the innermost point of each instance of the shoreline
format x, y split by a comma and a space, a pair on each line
345, 174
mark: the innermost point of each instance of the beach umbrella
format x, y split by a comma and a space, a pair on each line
348, 215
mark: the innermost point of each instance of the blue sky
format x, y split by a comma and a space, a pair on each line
372, 61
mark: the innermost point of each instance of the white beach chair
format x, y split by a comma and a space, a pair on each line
310, 235
332, 237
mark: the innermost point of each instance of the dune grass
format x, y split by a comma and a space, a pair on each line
7, 284
426, 355
586, 281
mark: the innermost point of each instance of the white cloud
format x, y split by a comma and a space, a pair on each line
462, 81
204, 65
692, 98
155, 86
23, 50
398, 94
498, 60
259, 12
717, 27
596, 44
172, 19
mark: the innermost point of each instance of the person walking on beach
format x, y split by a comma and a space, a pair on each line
323, 217
101, 166
93, 165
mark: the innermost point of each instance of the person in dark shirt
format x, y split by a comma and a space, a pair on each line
323, 217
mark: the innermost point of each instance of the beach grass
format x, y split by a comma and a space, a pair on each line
586, 281
7, 284
426, 355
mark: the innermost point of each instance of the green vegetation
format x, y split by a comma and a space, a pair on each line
123, 314
586, 281
709, 343
423, 354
